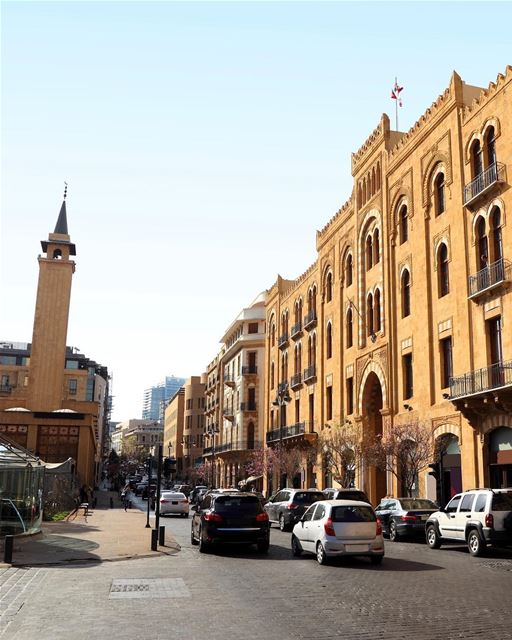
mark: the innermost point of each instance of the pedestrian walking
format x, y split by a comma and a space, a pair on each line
84, 496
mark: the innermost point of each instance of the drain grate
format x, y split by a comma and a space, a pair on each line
148, 588
499, 564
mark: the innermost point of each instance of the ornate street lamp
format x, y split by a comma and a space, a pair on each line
211, 432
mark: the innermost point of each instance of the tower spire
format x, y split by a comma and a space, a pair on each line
62, 221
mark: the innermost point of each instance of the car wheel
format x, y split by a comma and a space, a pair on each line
296, 548
376, 559
192, 539
475, 544
263, 546
282, 524
204, 547
393, 533
321, 556
433, 539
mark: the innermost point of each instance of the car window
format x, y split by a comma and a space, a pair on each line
480, 503
417, 503
320, 512
352, 514
502, 502
206, 502
467, 502
304, 497
383, 506
352, 495
309, 514
451, 507
240, 504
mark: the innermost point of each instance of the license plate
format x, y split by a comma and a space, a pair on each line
173, 502
356, 548
424, 518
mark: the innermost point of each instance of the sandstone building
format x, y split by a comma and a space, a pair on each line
405, 315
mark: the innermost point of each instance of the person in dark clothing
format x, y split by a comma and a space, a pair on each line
84, 496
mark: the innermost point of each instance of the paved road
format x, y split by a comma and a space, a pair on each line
235, 594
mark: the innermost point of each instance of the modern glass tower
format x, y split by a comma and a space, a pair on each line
153, 404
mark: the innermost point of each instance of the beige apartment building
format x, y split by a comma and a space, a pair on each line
405, 314
234, 400
53, 399
173, 429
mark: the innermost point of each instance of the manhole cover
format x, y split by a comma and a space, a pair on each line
149, 588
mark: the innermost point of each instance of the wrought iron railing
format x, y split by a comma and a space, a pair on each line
248, 406
282, 341
296, 329
490, 276
247, 369
494, 173
229, 378
295, 380
297, 429
309, 373
485, 379
310, 319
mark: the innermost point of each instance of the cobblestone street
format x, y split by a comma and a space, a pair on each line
235, 593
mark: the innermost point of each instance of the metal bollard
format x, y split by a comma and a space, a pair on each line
111, 502
161, 532
9, 541
154, 539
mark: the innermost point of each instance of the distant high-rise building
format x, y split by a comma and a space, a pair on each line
155, 398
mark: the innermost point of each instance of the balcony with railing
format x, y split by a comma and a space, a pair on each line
276, 435
282, 341
238, 445
484, 182
497, 376
490, 277
6, 388
248, 407
310, 373
296, 380
228, 413
310, 319
296, 330
229, 379
249, 370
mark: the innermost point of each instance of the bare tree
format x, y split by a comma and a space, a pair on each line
342, 448
289, 460
405, 451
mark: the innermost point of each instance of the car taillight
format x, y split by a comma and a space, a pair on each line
262, 517
408, 518
292, 505
183, 501
329, 529
378, 532
212, 517
162, 501
489, 521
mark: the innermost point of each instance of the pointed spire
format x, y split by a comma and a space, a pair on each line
62, 222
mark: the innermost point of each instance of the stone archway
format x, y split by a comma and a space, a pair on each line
374, 480
449, 480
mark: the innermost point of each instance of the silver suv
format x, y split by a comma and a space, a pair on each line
480, 518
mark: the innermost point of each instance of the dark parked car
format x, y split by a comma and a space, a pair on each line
148, 491
346, 494
140, 488
402, 517
287, 506
227, 517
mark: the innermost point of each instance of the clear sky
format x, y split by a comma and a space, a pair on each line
203, 144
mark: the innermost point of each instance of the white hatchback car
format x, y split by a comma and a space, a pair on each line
174, 502
333, 528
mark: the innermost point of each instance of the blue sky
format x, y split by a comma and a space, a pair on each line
195, 137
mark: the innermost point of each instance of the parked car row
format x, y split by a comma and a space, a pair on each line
346, 523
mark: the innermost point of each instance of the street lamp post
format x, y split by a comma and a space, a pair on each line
211, 433
148, 526
282, 399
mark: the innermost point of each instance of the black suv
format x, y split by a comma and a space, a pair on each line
230, 518
288, 505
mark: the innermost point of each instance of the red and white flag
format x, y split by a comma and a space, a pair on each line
395, 93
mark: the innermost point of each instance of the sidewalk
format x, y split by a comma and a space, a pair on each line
103, 535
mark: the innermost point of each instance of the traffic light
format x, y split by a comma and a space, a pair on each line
435, 470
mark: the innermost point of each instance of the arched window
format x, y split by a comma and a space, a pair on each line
376, 247
273, 335
359, 196
378, 176
364, 190
439, 194
250, 435
349, 328
443, 270
497, 240
296, 366
403, 224
482, 245
406, 293
313, 350
369, 184
328, 341
299, 358
369, 314
312, 300
328, 287
57, 254
369, 253
476, 159
376, 312
374, 184
490, 146
272, 376
348, 270
283, 368
285, 377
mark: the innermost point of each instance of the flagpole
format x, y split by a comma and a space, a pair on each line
396, 106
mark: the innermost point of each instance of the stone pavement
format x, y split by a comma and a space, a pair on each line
105, 534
